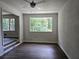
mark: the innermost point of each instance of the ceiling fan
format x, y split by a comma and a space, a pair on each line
33, 3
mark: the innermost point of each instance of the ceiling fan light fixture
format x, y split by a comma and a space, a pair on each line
32, 4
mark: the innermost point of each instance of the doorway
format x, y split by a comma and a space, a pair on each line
10, 29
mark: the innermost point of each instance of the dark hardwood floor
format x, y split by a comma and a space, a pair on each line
35, 51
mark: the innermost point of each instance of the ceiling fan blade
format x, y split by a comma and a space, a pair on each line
27, 1
40, 2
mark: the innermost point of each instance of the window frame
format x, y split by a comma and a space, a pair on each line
41, 31
9, 24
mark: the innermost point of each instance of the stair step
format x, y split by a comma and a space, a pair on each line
10, 45
5, 44
7, 41
9, 49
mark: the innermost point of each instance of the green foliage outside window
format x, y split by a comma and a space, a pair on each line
40, 24
5, 24
8, 24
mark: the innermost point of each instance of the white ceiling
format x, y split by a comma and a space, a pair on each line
5, 12
49, 6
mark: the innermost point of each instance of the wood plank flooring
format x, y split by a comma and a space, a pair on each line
35, 51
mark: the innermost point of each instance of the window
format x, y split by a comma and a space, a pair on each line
8, 24
12, 24
40, 24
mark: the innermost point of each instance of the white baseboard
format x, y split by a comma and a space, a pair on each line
41, 41
64, 51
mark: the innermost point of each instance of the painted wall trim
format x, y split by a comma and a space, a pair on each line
64, 51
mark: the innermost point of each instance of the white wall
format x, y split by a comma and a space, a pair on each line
21, 28
1, 47
68, 27
41, 37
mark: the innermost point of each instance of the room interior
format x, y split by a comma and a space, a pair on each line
50, 22
10, 33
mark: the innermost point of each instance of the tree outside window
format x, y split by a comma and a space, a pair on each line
40, 24
8, 24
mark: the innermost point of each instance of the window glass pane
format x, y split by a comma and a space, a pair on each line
12, 24
40, 24
5, 24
